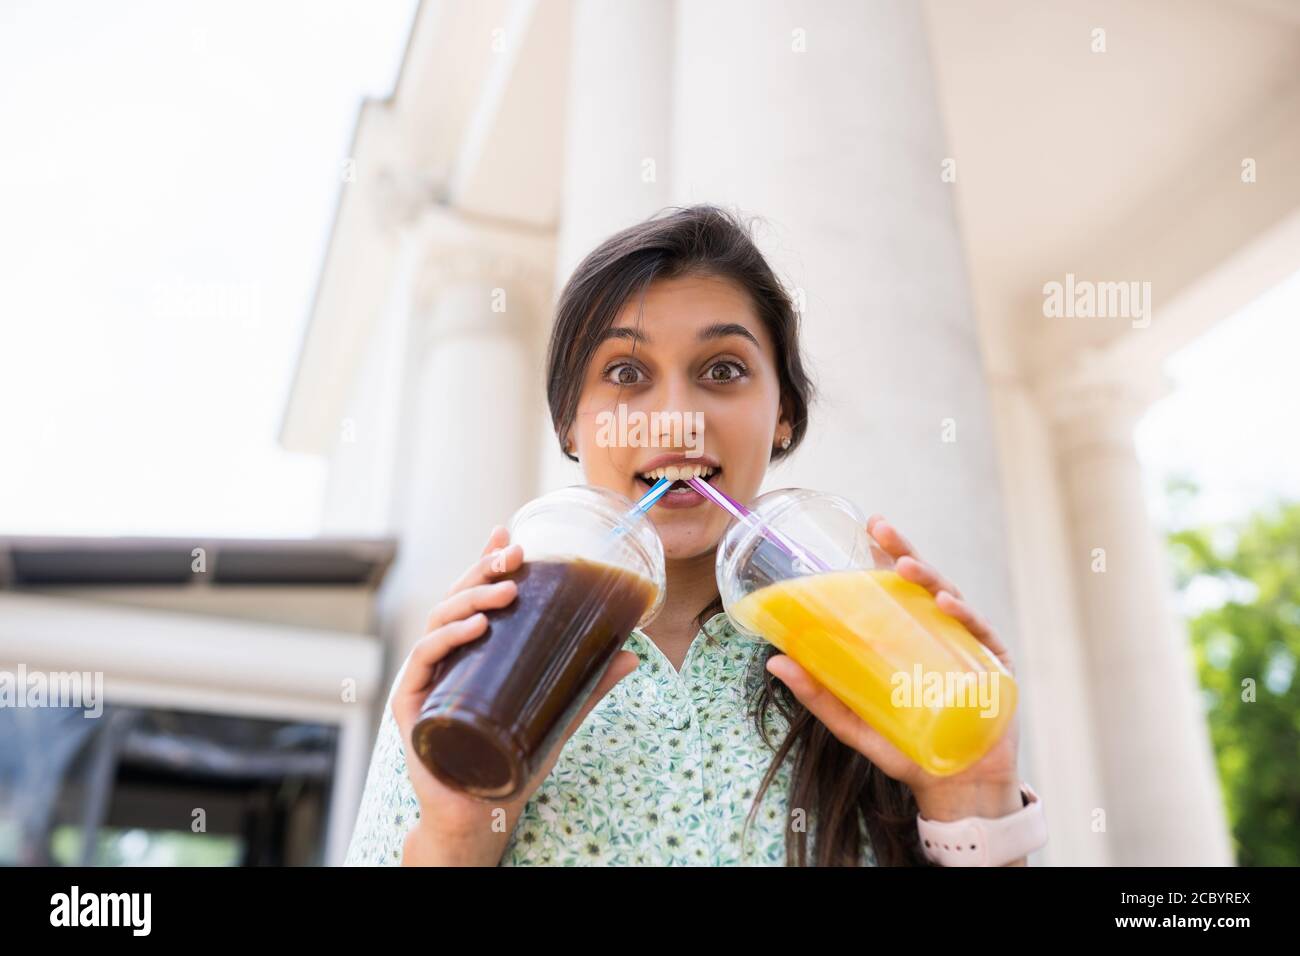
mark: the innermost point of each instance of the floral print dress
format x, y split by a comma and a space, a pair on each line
662, 772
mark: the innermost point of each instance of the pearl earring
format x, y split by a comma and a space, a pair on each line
785, 442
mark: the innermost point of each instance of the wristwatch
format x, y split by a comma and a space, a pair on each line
986, 841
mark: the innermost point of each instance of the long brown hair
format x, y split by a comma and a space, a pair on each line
843, 792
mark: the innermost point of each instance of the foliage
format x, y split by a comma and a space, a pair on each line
1246, 643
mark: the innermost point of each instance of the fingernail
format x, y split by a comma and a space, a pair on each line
498, 560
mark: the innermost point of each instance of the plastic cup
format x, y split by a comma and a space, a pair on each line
876, 641
500, 703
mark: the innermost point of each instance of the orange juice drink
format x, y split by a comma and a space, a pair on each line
881, 645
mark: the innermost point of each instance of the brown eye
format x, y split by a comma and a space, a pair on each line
624, 374
726, 371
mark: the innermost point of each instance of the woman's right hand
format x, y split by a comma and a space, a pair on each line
455, 828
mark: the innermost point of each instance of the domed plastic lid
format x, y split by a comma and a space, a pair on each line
821, 532
596, 524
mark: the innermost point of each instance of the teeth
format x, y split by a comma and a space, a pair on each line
678, 472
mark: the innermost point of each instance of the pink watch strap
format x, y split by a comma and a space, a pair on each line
985, 841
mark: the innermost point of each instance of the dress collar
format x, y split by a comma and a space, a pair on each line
719, 627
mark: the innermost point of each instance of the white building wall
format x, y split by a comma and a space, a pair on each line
366, 456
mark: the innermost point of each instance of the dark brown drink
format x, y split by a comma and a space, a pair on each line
500, 703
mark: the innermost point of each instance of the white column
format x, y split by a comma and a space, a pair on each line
821, 118
1162, 804
1052, 659
468, 455
616, 168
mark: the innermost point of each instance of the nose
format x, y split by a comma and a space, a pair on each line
678, 427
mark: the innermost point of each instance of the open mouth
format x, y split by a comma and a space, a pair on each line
680, 475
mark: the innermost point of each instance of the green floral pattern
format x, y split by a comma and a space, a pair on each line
662, 772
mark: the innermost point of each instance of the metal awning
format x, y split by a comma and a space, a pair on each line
43, 562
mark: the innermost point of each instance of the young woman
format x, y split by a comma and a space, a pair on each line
700, 745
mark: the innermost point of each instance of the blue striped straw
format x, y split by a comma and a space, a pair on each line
657, 491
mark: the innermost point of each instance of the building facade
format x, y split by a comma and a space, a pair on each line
940, 185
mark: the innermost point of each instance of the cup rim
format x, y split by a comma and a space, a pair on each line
643, 537
796, 495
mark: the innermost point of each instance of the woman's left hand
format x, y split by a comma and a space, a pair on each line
991, 786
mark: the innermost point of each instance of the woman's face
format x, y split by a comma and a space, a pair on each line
697, 350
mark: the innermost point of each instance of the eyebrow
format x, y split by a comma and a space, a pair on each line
718, 330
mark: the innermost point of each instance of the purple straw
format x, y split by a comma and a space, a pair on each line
739, 511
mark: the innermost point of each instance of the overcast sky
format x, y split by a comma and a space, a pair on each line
167, 182
1231, 422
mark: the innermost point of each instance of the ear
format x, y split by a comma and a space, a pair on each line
783, 425
783, 414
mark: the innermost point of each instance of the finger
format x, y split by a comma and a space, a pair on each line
417, 672
480, 597
477, 572
848, 728
919, 572
482, 571
498, 538
492, 563
890, 538
975, 623
504, 560
879, 558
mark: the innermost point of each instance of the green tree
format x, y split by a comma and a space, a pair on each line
1246, 647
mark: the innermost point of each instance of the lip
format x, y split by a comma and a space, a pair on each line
683, 497
680, 499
